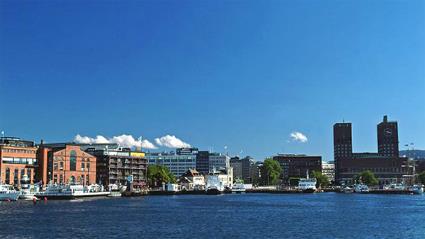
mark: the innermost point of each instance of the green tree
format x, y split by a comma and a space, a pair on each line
322, 180
158, 174
272, 171
421, 177
368, 178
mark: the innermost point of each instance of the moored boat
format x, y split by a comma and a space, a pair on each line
214, 186
8, 193
347, 189
417, 189
238, 188
361, 188
72, 192
27, 191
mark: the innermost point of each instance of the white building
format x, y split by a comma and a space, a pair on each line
177, 162
328, 169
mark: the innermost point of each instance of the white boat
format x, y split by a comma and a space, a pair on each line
115, 190
8, 193
72, 191
417, 189
361, 188
28, 191
348, 189
395, 186
238, 188
307, 185
214, 185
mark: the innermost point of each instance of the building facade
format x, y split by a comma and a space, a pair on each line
66, 163
218, 161
387, 166
298, 165
202, 162
388, 138
328, 169
17, 158
114, 165
177, 162
236, 164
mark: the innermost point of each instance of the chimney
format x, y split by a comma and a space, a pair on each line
385, 119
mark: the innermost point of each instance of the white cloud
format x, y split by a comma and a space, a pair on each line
122, 140
298, 136
171, 141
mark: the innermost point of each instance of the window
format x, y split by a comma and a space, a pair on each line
82, 165
29, 174
55, 166
7, 176
15, 176
87, 180
61, 166
73, 161
22, 173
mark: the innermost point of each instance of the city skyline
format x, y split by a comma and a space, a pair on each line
258, 78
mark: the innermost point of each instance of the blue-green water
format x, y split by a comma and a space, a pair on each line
322, 215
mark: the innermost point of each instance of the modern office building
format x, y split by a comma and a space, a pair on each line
202, 162
236, 164
177, 162
17, 158
65, 163
218, 161
298, 165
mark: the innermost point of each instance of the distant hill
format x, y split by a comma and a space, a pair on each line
416, 154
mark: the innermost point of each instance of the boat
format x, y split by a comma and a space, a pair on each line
68, 191
361, 188
214, 186
8, 193
238, 188
307, 185
417, 189
28, 191
348, 189
115, 190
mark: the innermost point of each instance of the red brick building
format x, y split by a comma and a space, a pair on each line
17, 158
66, 163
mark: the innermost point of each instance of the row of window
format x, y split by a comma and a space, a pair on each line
25, 151
16, 173
60, 165
10, 160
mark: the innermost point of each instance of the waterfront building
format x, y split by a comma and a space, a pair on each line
218, 161
256, 173
247, 167
192, 180
388, 138
236, 164
177, 162
115, 165
202, 162
65, 163
298, 165
328, 169
386, 164
17, 158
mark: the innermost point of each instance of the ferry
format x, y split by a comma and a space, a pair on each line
307, 185
72, 191
214, 186
28, 191
8, 193
238, 188
361, 188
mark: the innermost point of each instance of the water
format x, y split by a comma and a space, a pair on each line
322, 215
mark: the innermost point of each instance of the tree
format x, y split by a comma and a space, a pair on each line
272, 171
158, 174
322, 180
421, 177
368, 178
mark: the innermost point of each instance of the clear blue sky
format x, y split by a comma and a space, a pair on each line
239, 73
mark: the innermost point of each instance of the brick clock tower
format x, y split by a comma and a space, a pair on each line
388, 138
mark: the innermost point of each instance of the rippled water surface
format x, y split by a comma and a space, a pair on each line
324, 215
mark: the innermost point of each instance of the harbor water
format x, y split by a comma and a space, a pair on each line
320, 215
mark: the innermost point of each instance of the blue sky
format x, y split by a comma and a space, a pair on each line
245, 74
